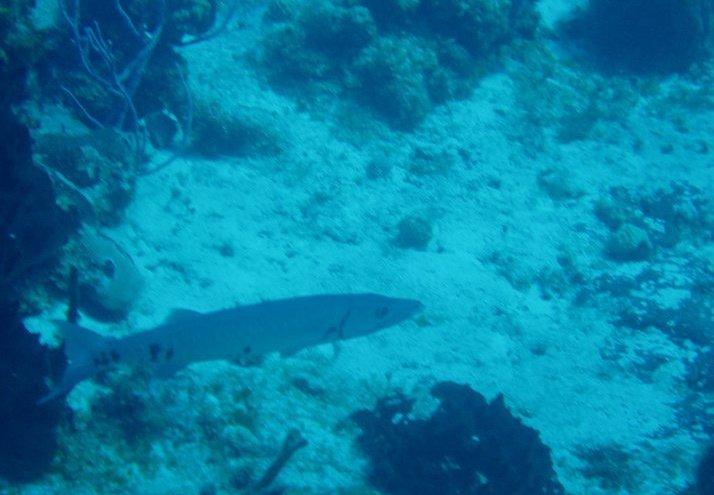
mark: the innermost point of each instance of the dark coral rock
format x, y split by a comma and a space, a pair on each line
646, 36
27, 431
468, 446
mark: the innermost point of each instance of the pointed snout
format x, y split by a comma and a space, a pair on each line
412, 307
403, 309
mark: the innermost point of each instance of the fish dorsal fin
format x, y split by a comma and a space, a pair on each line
180, 314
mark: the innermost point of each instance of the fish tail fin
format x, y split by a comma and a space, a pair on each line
80, 347
80, 343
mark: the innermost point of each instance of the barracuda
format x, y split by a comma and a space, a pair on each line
239, 334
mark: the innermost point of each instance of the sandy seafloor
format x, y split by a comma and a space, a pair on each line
309, 221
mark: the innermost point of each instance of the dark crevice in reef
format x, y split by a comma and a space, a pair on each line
31, 225
468, 446
27, 432
32, 228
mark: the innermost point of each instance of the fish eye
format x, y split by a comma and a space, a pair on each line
381, 312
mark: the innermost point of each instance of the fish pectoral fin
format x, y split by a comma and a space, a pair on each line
180, 314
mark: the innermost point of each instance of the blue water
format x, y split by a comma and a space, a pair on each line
537, 174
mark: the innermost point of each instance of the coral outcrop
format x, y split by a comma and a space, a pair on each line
399, 58
468, 446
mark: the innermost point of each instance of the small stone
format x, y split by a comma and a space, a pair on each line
629, 243
413, 232
612, 213
377, 170
226, 249
559, 184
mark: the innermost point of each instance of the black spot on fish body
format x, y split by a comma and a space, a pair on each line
169, 354
154, 350
115, 356
381, 312
247, 350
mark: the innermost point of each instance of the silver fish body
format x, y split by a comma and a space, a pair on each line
240, 333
